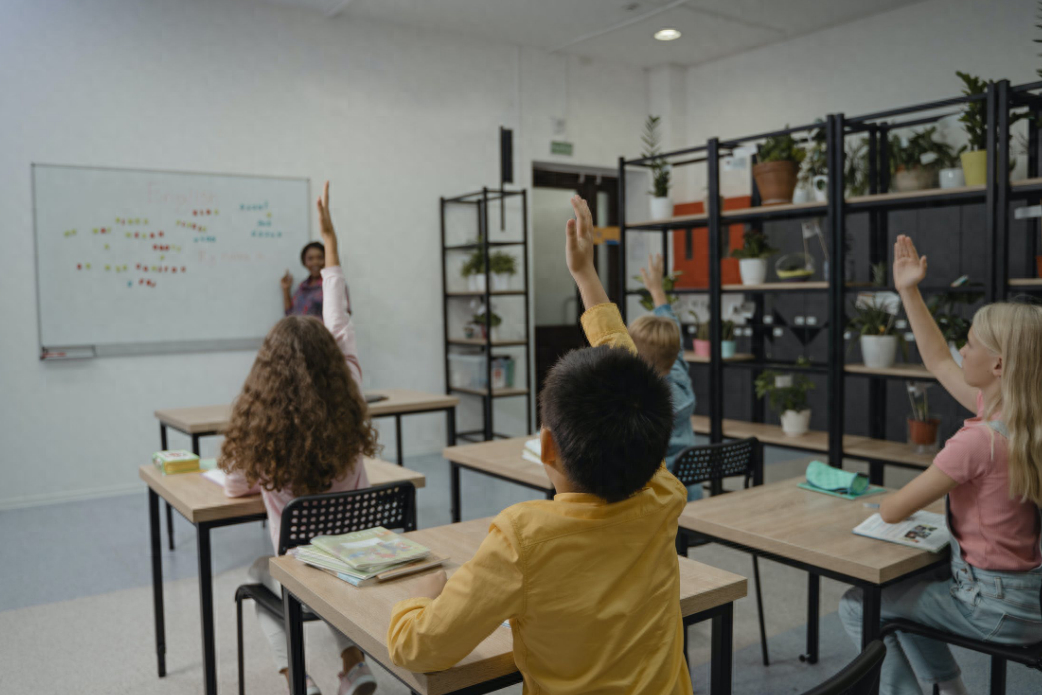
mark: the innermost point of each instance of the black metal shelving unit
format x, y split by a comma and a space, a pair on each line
996, 195
480, 201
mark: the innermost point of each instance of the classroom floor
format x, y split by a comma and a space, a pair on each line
76, 602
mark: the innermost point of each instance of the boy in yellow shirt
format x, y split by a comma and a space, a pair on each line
590, 580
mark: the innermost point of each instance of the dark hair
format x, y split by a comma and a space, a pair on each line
313, 245
611, 416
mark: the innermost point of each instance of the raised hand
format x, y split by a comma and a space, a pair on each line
909, 267
579, 246
325, 223
652, 277
286, 282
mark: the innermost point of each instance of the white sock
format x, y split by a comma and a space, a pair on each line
953, 687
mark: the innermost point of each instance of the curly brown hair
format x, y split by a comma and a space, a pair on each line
301, 421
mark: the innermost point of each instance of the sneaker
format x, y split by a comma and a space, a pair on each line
310, 688
358, 681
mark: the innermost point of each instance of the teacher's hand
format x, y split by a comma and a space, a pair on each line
286, 282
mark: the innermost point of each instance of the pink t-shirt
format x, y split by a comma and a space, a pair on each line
338, 321
994, 531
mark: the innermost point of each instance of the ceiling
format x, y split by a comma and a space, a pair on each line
617, 31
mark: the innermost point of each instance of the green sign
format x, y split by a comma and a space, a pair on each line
559, 147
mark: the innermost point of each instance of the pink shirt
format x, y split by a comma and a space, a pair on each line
994, 532
338, 321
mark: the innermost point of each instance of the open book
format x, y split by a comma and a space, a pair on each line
532, 451
371, 551
923, 530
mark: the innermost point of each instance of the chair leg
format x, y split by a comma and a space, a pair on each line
998, 676
238, 634
759, 611
681, 543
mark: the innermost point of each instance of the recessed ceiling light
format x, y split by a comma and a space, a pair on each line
667, 34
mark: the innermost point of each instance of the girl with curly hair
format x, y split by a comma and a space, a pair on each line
301, 427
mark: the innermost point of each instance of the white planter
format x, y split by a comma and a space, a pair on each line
753, 270
952, 178
476, 283
956, 355
500, 282
819, 187
879, 351
661, 208
802, 194
795, 423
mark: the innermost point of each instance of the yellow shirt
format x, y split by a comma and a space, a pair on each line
592, 589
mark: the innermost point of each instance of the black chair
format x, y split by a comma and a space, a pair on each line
392, 506
860, 677
1030, 656
710, 464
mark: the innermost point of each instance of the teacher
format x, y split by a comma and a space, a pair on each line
307, 300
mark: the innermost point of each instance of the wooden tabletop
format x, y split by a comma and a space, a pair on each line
214, 418
809, 527
501, 457
200, 499
363, 614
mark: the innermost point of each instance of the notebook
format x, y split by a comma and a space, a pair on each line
372, 550
320, 559
923, 530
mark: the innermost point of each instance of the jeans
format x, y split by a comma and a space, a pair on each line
1000, 607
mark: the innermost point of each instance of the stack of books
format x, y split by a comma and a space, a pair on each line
365, 557
179, 461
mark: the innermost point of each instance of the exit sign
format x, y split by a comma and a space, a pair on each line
560, 147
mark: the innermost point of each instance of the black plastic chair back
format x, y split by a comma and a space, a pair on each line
860, 677
714, 462
392, 506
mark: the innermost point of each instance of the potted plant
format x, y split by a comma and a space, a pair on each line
668, 283
950, 174
855, 168
752, 257
922, 425
787, 396
700, 344
914, 163
879, 339
473, 270
661, 205
813, 176
778, 160
794, 267
944, 309
728, 345
974, 120
502, 265
488, 322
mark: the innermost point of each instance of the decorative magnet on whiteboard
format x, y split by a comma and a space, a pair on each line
207, 212
95, 230
145, 269
104, 230
152, 235
79, 266
141, 281
107, 267
88, 266
137, 266
175, 269
161, 256
106, 247
146, 220
268, 215
160, 233
137, 234
216, 211
130, 283
182, 269
194, 213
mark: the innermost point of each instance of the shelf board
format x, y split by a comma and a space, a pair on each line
854, 446
699, 218
494, 293
784, 211
471, 247
804, 286
1021, 186
904, 371
690, 356
1025, 282
496, 393
930, 197
481, 342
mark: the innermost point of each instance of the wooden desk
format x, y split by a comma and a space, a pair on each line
209, 420
500, 458
204, 504
810, 531
363, 614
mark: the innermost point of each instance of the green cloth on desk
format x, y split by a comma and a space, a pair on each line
873, 490
821, 476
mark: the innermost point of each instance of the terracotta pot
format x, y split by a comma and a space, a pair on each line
923, 432
776, 182
701, 347
1038, 266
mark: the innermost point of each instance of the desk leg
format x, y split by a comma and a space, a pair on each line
169, 511
294, 642
454, 492
720, 665
398, 439
870, 616
157, 578
875, 472
206, 609
450, 417
813, 602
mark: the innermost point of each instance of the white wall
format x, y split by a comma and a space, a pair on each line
893, 59
394, 117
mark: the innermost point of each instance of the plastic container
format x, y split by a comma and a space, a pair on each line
470, 372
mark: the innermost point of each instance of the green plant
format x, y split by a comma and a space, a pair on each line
754, 245
474, 265
491, 319
917, 397
783, 398
944, 309
668, 283
872, 319
920, 146
727, 330
974, 117
780, 148
879, 274
792, 263
855, 169
659, 167
816, 162
502, 262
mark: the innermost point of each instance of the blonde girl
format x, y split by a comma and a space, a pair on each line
991, 472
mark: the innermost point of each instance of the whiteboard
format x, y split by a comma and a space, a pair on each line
162, 260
